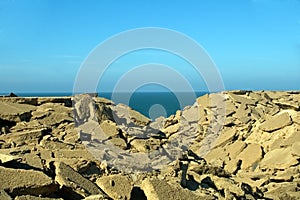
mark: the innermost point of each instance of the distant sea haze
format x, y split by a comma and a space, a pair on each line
150, 104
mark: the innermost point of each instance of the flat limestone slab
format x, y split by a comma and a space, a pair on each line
279, 159
69, 178
14, 111
116, 186
250, 156
7, 158
28, 197
19, 181
156, 189
277, 122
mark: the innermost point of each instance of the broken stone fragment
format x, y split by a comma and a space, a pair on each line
19, 181
74, 185
116, 186
145, 145
4, 195
277, 122
250, 156
97, 197
119, 142
7, 158
191, 114
171, 129
296, 149
156, 189
28, 197
243, 99
225, 137
25, 137
279, 159
227, 184
109, 128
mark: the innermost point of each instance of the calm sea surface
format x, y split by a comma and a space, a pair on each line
151, 104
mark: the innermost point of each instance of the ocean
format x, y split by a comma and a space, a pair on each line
150, 104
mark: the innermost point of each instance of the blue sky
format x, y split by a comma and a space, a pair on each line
255, 44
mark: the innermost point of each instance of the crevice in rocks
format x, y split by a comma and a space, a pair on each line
239, 164
5, 125
137, 194
25, 116
49, 171
208, 183
191, 184
68, 194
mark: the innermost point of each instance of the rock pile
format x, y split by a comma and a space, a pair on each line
230, 145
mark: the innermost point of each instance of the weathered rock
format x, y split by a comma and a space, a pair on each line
19, 181
96, 197
69, 179
286, 141
279, 159
243, 99
109, 128
156, 189
85, 109
119, 142
66, 101
287, 105
73, 154
47, 143
235, 148
286, 190
192, 114
15, 112
26, 137
225, 137
250, 156
116, 186
232, 165
296, 149
7, 158
171, 129
138, 118
243, 160
28, 197
145, 145
227, 184
4, 195
277, 122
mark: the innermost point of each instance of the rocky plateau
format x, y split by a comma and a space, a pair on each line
228, 145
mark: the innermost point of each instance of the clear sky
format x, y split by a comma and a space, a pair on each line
254, 43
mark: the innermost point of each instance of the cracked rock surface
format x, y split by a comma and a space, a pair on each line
228, 145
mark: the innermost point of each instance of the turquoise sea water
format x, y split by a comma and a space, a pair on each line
151, 104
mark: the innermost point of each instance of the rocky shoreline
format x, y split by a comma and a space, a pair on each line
244, 145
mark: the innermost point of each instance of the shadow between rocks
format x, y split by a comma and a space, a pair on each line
137, 194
